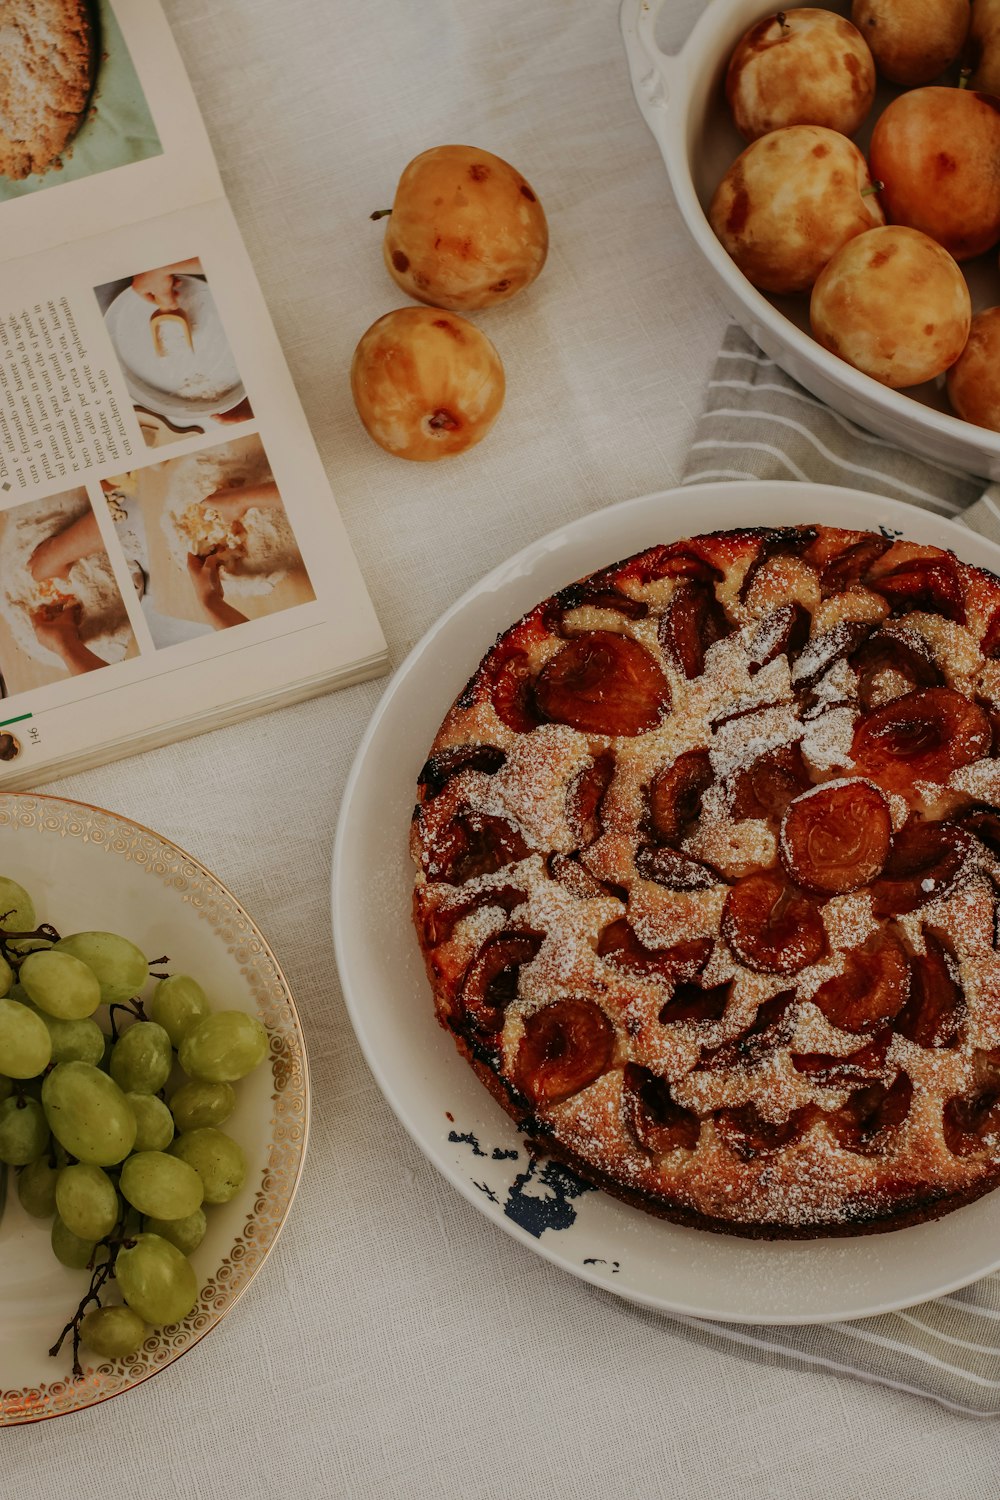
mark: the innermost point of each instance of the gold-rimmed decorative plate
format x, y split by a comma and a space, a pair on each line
88, 868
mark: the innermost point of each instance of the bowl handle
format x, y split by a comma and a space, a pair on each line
651, 69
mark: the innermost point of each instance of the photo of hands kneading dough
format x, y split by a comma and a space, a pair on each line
211, 540
173, 352
61, 611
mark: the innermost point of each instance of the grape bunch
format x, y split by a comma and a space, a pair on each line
109, 1143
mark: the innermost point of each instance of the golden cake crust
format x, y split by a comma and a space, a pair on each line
707, 857
47, 61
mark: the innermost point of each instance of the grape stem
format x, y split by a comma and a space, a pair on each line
134, 1008
100, 1275
46, 931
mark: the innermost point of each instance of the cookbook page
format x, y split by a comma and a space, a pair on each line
170, 553
98, 122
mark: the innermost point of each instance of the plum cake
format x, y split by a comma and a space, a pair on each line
708, 856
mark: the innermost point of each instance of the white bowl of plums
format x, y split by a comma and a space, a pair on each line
837, 168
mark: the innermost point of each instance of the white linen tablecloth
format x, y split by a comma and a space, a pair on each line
396, 1343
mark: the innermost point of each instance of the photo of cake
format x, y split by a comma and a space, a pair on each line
708, 867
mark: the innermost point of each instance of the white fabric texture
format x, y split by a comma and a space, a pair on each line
396, 1344
759, 424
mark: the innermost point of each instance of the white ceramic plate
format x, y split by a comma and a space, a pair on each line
435, 1093
93, 869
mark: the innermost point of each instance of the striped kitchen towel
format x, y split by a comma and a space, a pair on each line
758, 424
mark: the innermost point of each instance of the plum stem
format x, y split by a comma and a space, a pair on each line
380, 213
872, 189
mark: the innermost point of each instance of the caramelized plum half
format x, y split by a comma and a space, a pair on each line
868, 1120
438, 925
771, 927
971, 1121
564, 1048
886, 652
922, 736
452, 761
602, 683
652, 1116
676, 872
475, 844
783, 632
771, 1027
691, 1001
490, 982
872, 988
766, 787
851, 565
932, 1017
836, 838
585, 797
925, 862
619, 945
509, 675
928, 584
674, 796
693, 620
834, 1071
747, 1134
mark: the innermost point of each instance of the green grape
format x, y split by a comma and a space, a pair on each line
36, 1187
112, 1332
156, 1280
60, 984
177, 1004
88, 1113
120, 966
217, 1159
187, 1233
25, 1045
6, 977
223, 1047
17, 910
142, 1058
162, 1186
197, 1103
24, 1133
68, 1247
86, 1201
6, 1087
153, 1120
74, 1041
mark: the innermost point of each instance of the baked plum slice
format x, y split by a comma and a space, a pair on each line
883, 652
490, 982
870, 1117
971, 1121
674, 871
693, 620
652, 1116
564, 1048
990, 643
924, 864
929, 584
984, 824
602, 683
692, 1001
933, 1015
453, 760
779, 541
766, 787
782, 632
848, 567
574, 877
619, 945
674, 561
836, 837
872, 988
674, 796
474, 844
439, 924
770, 1028
509, 678
834, 1071
771, 927
921, 736
585, 797
823, 651
598, 592
748, 1134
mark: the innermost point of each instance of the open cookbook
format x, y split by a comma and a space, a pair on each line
171, 558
